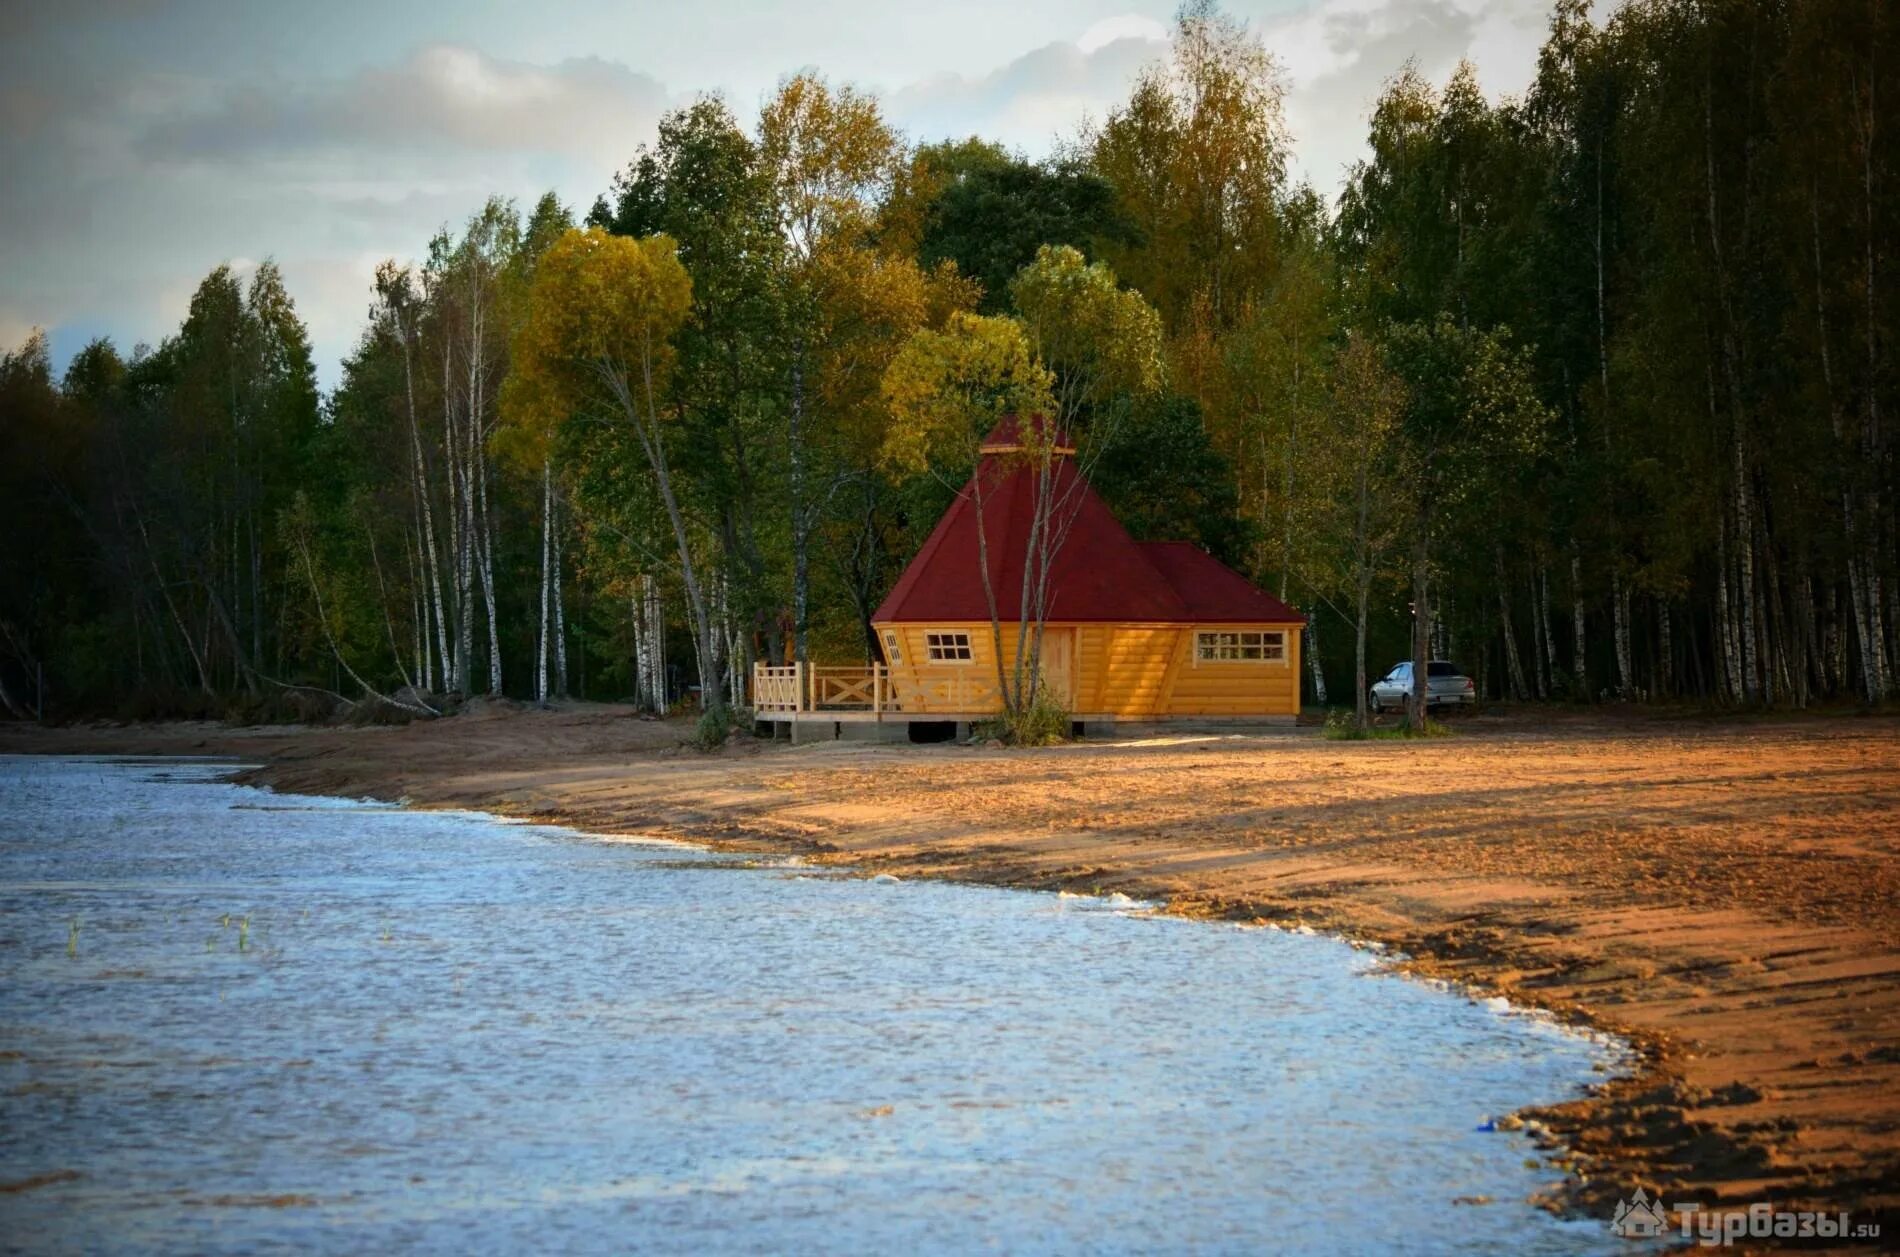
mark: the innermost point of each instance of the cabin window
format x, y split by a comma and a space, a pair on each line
948, 647
1240, 647
892, 655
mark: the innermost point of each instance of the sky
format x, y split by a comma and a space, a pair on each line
146, 142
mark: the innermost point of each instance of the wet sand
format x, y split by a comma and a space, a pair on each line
1725, 893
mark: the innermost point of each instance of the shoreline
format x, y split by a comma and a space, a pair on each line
1762, 1023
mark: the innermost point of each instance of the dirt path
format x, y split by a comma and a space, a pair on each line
1726, 894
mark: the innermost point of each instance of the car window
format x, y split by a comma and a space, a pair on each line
1441, 669
1399, 672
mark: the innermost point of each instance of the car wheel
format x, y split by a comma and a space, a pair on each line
1372, 701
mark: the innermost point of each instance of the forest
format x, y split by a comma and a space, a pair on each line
1591, 386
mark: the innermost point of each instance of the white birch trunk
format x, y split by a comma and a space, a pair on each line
801, 545
1725, 621
1310, 648
1620, 630
560, 605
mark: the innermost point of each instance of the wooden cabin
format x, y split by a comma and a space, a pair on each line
1138, 631
1135, 631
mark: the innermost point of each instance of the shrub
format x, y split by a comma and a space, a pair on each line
1045, 722
1342, 725
710, 733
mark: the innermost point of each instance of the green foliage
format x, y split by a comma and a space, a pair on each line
1604, 372
991, 213
1043, 721
1197, 156
946, 389
709, 733
601, 317
1096, 338
1342, 726
1165, 480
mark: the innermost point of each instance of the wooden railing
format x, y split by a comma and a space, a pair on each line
806, 688
778, 689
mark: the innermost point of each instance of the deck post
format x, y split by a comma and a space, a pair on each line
877, 692
798, 686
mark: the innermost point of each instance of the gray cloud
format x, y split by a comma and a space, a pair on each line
442, 94
1337, 54
1030, 102
138, 158
129, 190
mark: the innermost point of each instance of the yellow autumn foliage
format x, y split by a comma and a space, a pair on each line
946, 388
601, 306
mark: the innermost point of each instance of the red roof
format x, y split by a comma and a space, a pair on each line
1211, 590
1100, 573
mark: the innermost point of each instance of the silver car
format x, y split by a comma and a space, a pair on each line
1444, 685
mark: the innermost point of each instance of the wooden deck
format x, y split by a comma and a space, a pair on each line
872, 692
808, 697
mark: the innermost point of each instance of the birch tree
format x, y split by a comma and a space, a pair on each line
597, 344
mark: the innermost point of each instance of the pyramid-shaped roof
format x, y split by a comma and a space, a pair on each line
1100, 573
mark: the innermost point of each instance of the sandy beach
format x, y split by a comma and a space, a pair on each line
1724, 893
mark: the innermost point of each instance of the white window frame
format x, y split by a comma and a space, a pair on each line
1270, 643
892, 654
951, 640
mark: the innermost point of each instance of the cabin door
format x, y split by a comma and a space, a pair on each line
1058, 664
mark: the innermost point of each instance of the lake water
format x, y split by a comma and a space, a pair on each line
284, 1022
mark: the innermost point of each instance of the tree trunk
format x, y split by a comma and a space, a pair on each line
486, 536
1579, 672
801, 543
1620, 630
1666, 675
646, 426
1364, 592
460, 514
432, 565
560, 602
541, 633
1872, 439
1548, 685
1419, 708
1513, 666
1745, 575
1310, 648
1362, 580
1730, 652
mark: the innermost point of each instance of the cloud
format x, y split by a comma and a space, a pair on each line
146, 143
1033, 101
1336, 53
1128, 26
128, 190
1339, 53
443, 94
